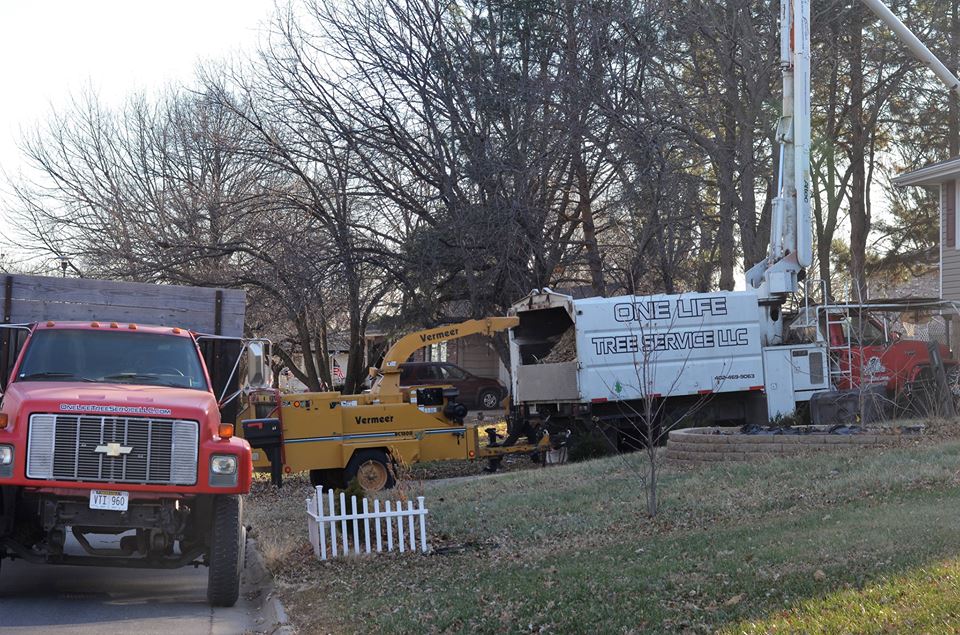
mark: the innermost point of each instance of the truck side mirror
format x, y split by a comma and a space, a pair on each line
258, 367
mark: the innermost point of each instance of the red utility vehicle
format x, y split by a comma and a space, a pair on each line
865, 351
115, 428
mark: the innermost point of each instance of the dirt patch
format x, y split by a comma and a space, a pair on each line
277, 517
452, 469
940, 430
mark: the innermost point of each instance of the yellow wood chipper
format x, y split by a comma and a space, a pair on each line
338, 437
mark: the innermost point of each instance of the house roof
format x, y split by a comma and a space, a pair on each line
930, 175
923, 286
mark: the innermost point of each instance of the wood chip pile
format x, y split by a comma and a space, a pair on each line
565, 350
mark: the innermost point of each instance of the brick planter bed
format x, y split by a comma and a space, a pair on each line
697, 445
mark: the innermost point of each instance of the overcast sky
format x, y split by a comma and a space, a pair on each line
50, 49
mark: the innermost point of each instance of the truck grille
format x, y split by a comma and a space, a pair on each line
112, 449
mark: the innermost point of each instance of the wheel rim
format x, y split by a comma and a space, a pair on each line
372, 475
489, 400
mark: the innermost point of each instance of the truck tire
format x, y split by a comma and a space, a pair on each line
226, 551
489, 400
372, 470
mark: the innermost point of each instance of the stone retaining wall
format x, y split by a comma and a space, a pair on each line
706, 444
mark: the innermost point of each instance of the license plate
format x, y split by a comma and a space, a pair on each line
109, 499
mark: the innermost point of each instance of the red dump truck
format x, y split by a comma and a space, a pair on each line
114, 427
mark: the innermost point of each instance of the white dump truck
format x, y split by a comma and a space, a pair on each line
720, 355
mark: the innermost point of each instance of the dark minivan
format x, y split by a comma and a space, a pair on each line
479, 392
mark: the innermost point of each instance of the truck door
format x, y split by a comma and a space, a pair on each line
220, 357
872, 358
837, 328
861, 351
778, 382
12, 339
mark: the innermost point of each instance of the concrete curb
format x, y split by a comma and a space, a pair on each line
274, 617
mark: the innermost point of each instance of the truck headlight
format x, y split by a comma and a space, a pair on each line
223, 470
223, 464
6, 461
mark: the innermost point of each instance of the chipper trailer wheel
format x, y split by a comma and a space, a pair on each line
371, 468
227, 537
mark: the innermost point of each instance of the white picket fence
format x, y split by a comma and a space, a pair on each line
322, 522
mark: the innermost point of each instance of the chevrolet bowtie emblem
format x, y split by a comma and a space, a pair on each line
113, 449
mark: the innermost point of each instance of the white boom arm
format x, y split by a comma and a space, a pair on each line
913, 43
791, 249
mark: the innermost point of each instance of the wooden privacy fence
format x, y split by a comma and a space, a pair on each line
355, 526
203, 309
29, 299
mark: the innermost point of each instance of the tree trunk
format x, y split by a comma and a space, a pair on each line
726, 178
323, 354
754, 246
725, 240
306, 346
707, 250
954, 62
287, 360
823, 258
859, 217
585, 210
356, 370
652, 483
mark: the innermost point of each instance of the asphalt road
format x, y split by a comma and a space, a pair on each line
101, 600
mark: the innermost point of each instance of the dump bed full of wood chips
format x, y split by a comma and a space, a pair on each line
565, 350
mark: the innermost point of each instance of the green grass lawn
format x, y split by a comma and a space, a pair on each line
866, 542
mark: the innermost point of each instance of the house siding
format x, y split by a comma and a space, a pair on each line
477, 355
473, 353
950, 255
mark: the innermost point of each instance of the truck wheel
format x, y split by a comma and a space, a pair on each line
372, 470
489, 400
226, 550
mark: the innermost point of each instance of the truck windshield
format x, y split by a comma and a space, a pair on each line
112, 357
865, 331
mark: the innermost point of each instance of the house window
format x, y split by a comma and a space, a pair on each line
436, 352
950, 212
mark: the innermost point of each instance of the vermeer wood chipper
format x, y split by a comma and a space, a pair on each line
338, 438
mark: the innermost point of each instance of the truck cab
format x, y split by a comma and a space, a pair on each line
114, 428
866, 350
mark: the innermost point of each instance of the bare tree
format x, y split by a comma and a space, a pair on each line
479, 123
170, 192
718, 79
